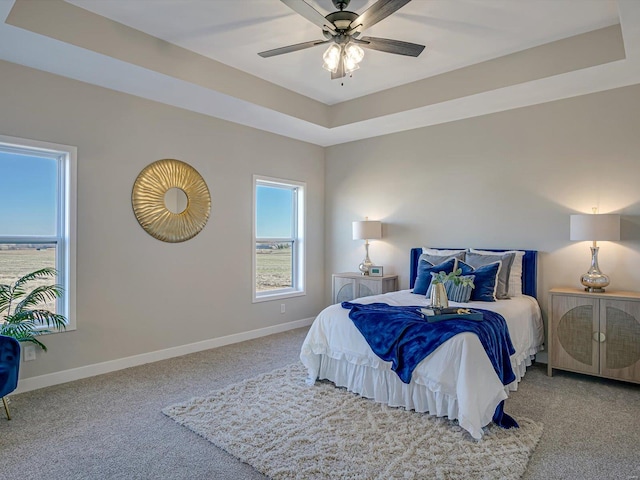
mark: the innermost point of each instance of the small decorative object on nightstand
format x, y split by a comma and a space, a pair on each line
375, 271
595, 333
347, 286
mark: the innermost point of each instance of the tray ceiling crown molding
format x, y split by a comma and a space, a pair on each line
135, 62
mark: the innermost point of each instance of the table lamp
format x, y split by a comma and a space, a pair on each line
595, 227
366, 230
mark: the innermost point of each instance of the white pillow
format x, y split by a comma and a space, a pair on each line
515, 275
437, 251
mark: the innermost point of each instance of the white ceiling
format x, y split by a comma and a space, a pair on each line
457, 33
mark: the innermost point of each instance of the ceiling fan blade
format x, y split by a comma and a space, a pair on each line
292, 48
378, 11
460, 27
307, 11
391, 46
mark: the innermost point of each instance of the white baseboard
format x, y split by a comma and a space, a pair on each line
72, 374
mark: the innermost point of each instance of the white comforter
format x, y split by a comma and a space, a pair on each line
457, 380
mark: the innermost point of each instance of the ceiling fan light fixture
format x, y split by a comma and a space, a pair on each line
330, 68
352, 56
342, 24
332, 58
354, 53
343, 28
350, 66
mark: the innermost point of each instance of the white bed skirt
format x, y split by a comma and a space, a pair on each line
384, 386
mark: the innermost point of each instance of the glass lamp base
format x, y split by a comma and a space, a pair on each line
594, 280
365, 266
593, 290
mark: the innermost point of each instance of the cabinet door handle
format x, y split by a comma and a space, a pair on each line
599, 337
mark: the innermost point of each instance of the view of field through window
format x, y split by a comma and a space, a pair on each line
275, 234
273, 266
17, 260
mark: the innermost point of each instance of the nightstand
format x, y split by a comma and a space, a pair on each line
348, 286
595, 333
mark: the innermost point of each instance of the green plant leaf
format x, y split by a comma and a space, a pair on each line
37, 275
40, 295
26, 322
5, 297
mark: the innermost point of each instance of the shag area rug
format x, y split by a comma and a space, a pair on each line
287, 429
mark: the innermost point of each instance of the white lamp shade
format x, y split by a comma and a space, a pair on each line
367, 230
595, 227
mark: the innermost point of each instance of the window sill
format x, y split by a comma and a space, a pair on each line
278, 296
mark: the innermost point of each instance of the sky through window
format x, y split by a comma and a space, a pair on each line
28, 195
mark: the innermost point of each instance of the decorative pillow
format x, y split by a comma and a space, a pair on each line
459, 293
423, 279
515, 276
477, 260
441, 252
436, 259
455, 293
486, 280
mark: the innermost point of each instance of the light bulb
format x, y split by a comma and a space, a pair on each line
349, 64
354, 53
332, 58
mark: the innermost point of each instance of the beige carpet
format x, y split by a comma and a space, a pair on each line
287, 429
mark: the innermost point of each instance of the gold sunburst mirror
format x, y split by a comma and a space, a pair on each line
171, 200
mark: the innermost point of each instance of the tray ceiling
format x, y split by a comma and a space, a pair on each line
481, 56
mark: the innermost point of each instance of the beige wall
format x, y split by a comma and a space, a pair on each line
504, 180
136, 294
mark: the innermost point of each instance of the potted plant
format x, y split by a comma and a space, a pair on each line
22, 310
438, 296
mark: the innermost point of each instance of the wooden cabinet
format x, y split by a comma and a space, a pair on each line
595, 333
348, 286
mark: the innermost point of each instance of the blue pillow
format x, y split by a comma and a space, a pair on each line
485, 282
423, 280
459, 293
477, 260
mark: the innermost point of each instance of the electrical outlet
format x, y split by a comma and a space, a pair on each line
282, 308
29, 353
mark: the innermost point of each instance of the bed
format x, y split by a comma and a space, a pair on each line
457, 380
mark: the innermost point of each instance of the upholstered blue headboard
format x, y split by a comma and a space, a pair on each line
529, 269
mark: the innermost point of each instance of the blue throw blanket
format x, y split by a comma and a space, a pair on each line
402, 336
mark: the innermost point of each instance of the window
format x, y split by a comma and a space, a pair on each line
278, 234
37, 220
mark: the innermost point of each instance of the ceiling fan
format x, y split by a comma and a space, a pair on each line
342, 28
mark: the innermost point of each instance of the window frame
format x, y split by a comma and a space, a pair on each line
298, 261
66, 205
